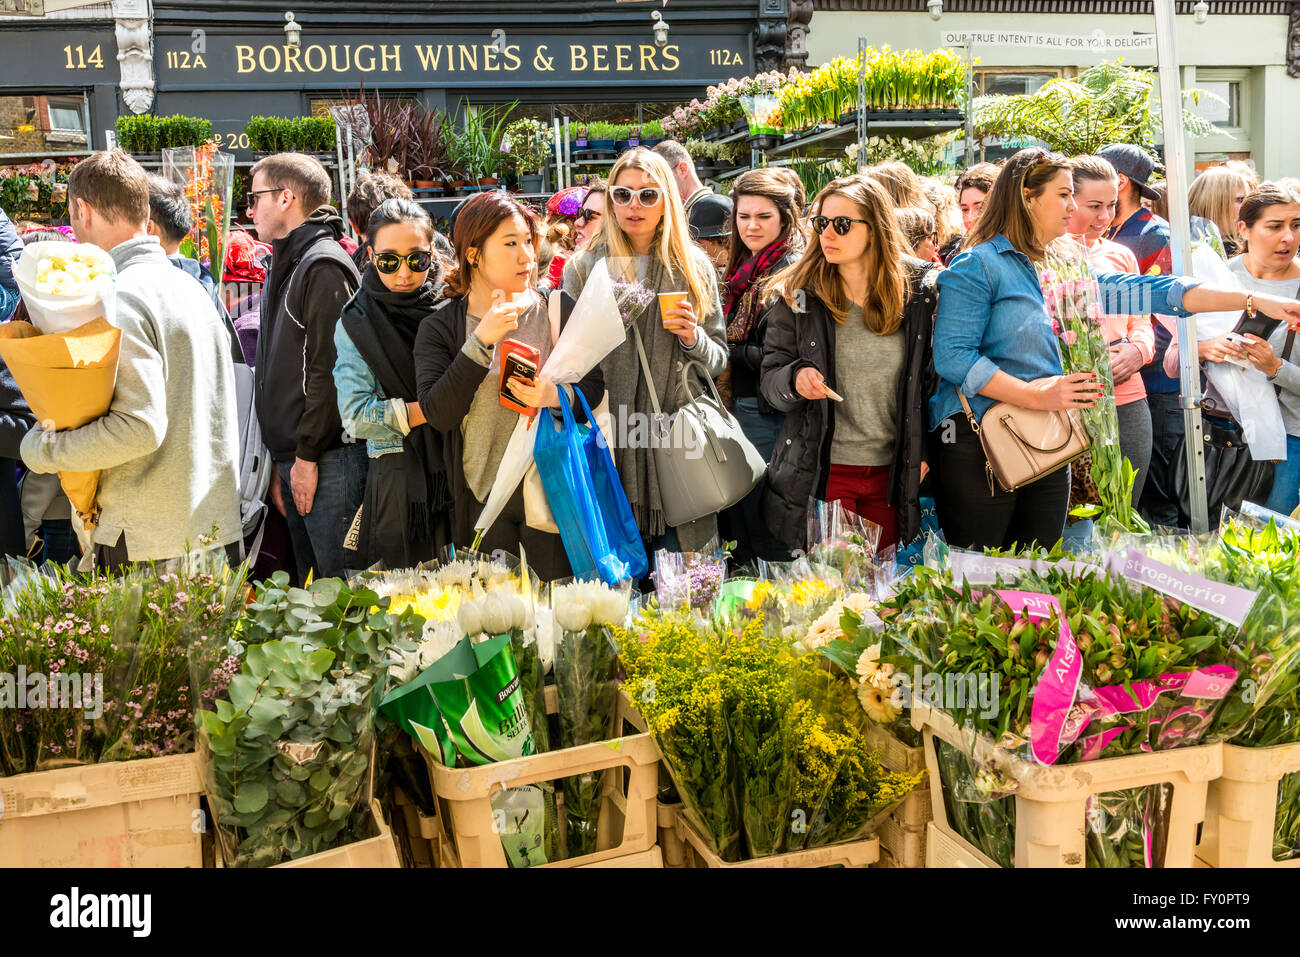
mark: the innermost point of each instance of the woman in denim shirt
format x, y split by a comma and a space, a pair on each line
374, 374
993, 340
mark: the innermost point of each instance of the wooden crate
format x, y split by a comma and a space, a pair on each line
628, 820
850, 854
1241, 811
376, 851
1051, 799
141, 813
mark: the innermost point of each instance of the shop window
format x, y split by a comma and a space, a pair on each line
43, 123
1225, 109
1011, 82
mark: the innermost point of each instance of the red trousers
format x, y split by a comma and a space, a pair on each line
864, 489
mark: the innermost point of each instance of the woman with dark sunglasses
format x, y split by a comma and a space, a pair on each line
847, 357
374, 374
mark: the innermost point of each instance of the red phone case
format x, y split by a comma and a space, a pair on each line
513, 347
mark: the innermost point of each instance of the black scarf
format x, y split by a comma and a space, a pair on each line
382, 325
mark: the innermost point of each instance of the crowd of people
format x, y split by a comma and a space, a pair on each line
857, 337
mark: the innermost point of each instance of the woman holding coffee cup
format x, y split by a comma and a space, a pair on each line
645, 236
458, 357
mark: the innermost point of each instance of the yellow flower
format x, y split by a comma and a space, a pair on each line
877, 703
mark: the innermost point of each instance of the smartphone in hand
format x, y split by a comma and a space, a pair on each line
518, 360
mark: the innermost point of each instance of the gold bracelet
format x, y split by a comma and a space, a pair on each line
1250, 305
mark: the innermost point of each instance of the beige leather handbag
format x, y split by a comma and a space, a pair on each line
1023, 445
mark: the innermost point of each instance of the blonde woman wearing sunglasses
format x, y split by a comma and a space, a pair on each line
847, 356
645, 236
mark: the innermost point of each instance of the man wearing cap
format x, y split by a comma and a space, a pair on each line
710, 222
1147, 235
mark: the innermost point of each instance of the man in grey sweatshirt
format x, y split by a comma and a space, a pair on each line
168, 448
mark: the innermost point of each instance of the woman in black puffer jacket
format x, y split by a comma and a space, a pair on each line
853, 320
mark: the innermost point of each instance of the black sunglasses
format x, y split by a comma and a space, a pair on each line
418, 261
842, 224
587, 215
250, 199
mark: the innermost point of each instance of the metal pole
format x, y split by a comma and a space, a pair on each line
862, 103
1171, 120
970, 104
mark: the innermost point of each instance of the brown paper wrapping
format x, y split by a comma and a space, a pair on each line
68, 380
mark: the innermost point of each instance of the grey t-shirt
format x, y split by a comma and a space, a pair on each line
867, 367
1288, 377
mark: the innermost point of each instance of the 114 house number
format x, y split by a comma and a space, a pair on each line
82, 61
725, 58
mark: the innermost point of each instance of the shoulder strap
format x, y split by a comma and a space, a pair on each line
319, 251
645, 368
970, 415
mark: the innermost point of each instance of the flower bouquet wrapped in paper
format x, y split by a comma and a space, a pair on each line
65, 360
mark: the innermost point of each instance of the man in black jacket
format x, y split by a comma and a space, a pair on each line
322, 471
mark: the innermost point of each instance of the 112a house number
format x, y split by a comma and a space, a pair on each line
82, 61
725, 58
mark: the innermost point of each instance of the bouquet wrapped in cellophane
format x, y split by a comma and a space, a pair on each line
1074, 305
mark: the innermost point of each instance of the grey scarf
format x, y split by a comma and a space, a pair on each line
629, 393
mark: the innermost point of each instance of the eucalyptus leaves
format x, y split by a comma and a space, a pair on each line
291, 738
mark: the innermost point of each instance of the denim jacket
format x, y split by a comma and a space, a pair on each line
992, 316
366, 412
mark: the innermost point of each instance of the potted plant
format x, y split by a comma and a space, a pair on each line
529, 143
651, 135
480, 143
703, 153
427, 152
602, 136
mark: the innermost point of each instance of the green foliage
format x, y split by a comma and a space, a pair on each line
476, 147
149, 134
1108, 103
530, 145
291, 736
279, 134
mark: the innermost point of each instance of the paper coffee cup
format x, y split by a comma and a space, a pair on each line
669, 300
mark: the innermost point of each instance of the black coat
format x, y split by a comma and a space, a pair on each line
446, 380
310, 281
801, 463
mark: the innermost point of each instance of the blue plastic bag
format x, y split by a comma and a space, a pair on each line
586, 497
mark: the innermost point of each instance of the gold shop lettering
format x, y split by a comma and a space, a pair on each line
341, 58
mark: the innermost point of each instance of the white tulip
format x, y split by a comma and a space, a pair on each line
498, 616
470, 618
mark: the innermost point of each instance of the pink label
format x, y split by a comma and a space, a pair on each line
1091, 748
1228, 602
1212, 682
1059, 683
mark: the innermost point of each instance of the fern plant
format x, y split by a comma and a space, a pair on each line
1108, 103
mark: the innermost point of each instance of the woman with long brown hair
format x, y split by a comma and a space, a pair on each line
846, 357
766, 237
993, 341
645, 236
490, 298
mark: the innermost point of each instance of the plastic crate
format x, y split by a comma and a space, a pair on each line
903, 833
945, 850
376, 851
670, 842
1051, 799
628, 819
141, 813
650, 858
849, 854
1241, 811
